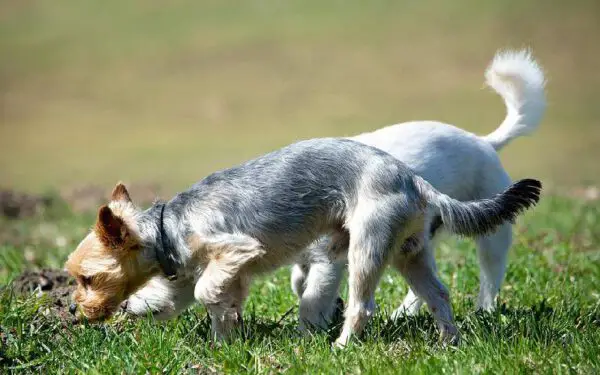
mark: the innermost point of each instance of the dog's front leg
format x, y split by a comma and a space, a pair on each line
223, 286
224, 303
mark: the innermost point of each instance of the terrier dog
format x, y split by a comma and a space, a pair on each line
263, 214
456, 162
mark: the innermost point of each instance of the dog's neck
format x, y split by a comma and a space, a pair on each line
165, 251
159, 240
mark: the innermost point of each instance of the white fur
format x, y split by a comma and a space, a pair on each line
518, 78
162, 297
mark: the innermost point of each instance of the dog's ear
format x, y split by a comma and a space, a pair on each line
111, 229
120, 194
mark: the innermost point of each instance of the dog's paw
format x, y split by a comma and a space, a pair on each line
405, 310
449, 335
342, 341
338, 345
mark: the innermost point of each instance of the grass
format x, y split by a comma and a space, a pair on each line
131, 90
548, 321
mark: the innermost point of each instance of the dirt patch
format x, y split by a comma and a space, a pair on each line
55, 285
16, 205
45, 280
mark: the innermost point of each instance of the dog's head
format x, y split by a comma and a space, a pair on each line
108, 264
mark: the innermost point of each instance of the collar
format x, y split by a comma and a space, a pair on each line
165, 252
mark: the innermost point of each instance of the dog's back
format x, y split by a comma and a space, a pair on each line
454, 161
288, 197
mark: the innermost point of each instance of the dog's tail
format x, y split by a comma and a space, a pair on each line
519, 80
481, 217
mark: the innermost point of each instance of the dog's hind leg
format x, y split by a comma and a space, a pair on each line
492, 249
411, 305
419, 270
493, 252
370, 244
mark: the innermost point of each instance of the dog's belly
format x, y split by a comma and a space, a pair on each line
331, 246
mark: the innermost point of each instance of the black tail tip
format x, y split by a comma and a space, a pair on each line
525, 192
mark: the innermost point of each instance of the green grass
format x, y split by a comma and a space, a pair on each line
145, 90
549, 321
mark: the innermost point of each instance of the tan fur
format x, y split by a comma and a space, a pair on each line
105, 263
120, 193
198, 249
194, 242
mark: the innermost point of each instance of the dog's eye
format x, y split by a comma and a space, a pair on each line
86, 281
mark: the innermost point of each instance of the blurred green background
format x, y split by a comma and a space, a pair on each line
169, 91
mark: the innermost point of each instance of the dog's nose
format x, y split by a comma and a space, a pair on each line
73, 308
124, 305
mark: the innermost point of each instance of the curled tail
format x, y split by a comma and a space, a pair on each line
480, 217
519, 80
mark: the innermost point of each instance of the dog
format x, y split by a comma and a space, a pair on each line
458, 163
263, 214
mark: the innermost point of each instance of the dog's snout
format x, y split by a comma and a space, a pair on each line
124, 305
73, 308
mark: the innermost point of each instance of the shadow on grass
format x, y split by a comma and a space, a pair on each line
540, 322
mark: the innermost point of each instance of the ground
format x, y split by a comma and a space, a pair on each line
548, 321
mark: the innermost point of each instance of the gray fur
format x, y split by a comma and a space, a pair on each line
289, 197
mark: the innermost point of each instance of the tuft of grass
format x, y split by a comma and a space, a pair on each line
548, 320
